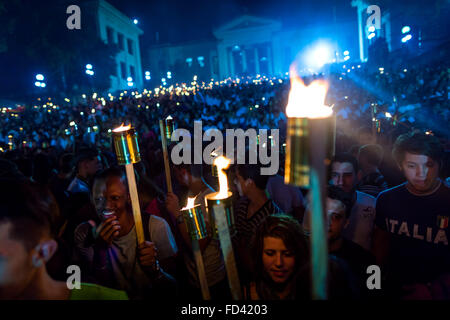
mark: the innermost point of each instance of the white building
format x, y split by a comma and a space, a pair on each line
116, 27
251, 45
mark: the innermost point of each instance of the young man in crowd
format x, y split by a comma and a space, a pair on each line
339, 206
26, 245
412, 232
372, 181
87, 164
108, 249
191, 177
344, 168
250, 211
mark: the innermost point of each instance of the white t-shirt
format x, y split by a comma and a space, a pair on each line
361, 221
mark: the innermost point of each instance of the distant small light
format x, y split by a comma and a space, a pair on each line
39, 77
371, 35
43, 85
346, 58
346, 97
405, 70
346, 53
72, 123
359, 66
37, 84
147, 77
388, 115
109, 130
147, 73
89, 66
256, 106
84, 96
381, 69
129, 79
406, 29
66, 99
135, 21
371, 29
406, 38
92, 110
81, 113
340, 78
130, 84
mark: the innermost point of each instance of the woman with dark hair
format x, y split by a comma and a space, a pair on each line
281, 261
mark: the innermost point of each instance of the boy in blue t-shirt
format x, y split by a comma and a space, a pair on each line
411, 225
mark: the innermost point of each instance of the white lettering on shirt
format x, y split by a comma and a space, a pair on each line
404, 229
393, 224
416, 234
441, 236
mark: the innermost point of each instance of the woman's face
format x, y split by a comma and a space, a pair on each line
277, 260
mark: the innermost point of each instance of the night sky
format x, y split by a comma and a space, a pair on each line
177, 20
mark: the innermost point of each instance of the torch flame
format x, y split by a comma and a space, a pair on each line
190, 203
222, 163
122, 128
307, 101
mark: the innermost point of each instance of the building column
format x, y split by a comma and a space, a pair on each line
244, 60
222, 56
231, 59
270, 60
255, 52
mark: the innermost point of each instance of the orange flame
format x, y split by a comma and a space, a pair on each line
222, 163
190, 203
307, 101
122, 128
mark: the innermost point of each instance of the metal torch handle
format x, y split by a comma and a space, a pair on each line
166, 156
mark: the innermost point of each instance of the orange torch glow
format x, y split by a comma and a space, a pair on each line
307, 101
190, 203
222, 163
122, 128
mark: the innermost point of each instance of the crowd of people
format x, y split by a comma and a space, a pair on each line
65, 201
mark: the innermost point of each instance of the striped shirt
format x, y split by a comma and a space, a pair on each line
246, 227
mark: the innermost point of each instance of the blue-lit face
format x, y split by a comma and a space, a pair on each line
16, 269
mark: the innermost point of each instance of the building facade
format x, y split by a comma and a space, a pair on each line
116, 27
251, 45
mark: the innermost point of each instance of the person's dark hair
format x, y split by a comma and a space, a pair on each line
117, 171
83, 155
417, 142
66, 163
289, 230
253, 171
372, 152
31, 211
337, 193
345, 157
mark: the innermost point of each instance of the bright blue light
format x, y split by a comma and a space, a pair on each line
89, 66
406, 38
135, 21
371, 29
371, 36
406, 29
319, 54
37, 84
43, 85
346, 53
39, 77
